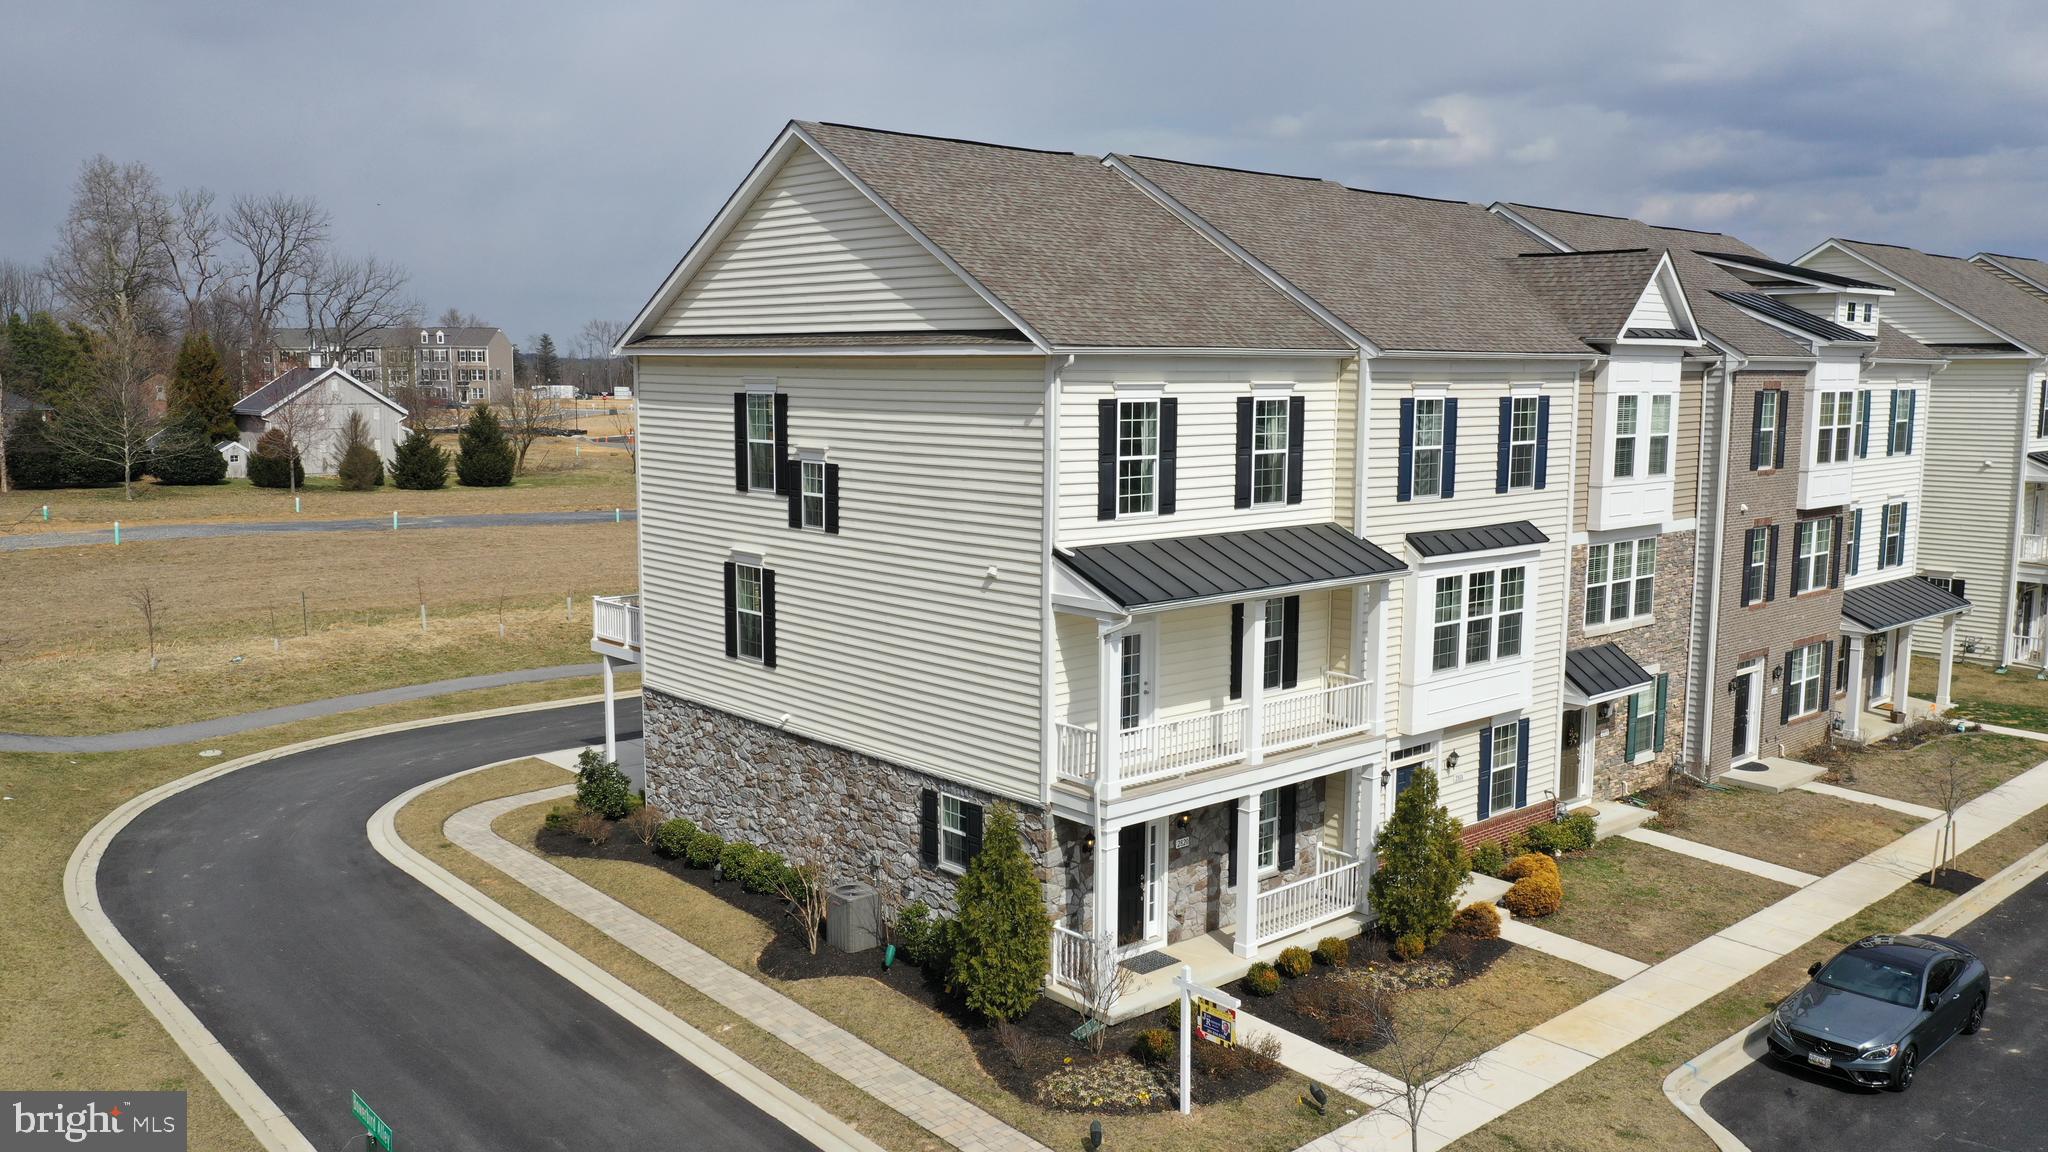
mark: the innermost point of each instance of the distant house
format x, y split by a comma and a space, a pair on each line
462, 365
312, 406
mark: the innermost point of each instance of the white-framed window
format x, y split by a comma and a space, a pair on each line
1852, 545
1426, 469
953, 847
1130, 682
1269, 450
423, 336
1837, 423
1891, 548
761, 441
1627, 410
1767, 415
1619, 580
1275, 650
1269, 831
813, 497
1507, 761
1137, 457
1643, 718
1756, 565
1816, 547
1522, 441
1478, 617
747, 607
1902, 421
1802, 686
1659, 463
440, 337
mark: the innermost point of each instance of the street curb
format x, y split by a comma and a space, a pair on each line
264, 1118
803, 1117
1689, 1083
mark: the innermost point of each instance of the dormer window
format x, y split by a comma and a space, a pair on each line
1859, 312
440, 337
423, 335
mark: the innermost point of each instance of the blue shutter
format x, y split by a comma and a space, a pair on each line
1905, 510
1863, 423
1404, 483
1522, 765
1500, 463
1450, 448
1485, 772
1891, 421
1543, 442
1628, 731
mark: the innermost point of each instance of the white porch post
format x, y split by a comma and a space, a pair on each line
1852, 722
1109, 707
1254, 679
1246, 941
611, 720
1373, 659
1359, 784
1902, 662
1107, 843
1589, 721
1942, 701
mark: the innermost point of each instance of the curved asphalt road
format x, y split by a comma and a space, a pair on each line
321, 968
141, 533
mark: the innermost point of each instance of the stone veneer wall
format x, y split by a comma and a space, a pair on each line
1199, 896
854, 814
1660, 646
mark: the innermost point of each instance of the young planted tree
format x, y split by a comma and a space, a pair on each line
420, 464
1412, 1064
486, 459
1004, 931
1422, 865
361, 469
200, 388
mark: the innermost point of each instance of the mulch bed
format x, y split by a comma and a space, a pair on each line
1371, 964
1952, 881
1035, 1058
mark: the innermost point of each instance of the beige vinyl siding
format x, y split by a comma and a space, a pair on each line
1708, 487
892, 638
1881, 480
1207, 389
1582, 487
1344, 444
813, 254
1685, 473
1478, 386
1968, 512
1908, 311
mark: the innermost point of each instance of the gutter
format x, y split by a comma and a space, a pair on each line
1731, 363
1049, 509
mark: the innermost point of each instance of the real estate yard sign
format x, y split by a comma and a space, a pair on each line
1219, 1024
1214, 1022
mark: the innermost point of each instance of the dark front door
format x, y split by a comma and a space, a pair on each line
1740, 729
1130, 884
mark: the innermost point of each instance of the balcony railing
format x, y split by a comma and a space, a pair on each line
2033, 549
1073, 959
615, 622
1184, 744
1336, 889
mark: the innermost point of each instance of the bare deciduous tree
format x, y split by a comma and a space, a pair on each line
24, 290
803, 891
1411, 1067
144, 599
457, 318
281, 238
349, 303
116, 415
596, 340
303, 424
531, 414
1102, 983
1949, 787
112, 259
198, 267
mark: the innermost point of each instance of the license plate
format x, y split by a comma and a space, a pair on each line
1819, 1061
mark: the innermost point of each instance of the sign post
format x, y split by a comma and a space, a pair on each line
374, 1127
1208, 1011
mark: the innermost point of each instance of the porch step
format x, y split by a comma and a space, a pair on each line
1771, 774
1612, 818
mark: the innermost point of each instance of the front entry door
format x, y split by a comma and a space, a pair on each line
1880, 686
1740, 729
1141, 883
1568, 755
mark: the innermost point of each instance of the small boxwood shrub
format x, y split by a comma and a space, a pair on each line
1489, 858
1536, 895
1479, 921
562, 818
602, 788
766, 873
1583, 829
1334, 951
703, 849
1574, 833
736, 860
672, 839
1530, 864
1410, 946
1294, 962
1262, 980
1156, 1046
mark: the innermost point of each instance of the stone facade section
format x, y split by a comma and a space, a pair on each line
1199, 896
1659, 645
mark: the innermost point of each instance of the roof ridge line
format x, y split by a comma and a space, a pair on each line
1579, 252
944, 139
1225, 168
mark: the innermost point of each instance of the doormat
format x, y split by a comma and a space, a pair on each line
1148, 962
1753, 766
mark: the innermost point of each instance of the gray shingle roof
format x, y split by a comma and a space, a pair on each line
1799, 318
1902, 601
1592, 292
299, 339
1485, 538
1893, 344
1699, 276
1226, 565
284, 386
1974, 289
1409, 273
2034, 272
1084, 256
1603, 670
1003, 337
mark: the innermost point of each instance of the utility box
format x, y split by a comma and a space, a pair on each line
853, 917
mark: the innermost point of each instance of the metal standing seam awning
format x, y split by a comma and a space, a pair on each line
2037, 467
1602, 672
1183, 571
1895, 603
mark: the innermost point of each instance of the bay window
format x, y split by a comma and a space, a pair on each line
1625, 414
1837, 422
1478, 617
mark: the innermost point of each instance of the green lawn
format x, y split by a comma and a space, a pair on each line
1650, 904
2013, 700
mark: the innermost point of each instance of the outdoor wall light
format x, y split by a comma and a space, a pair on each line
1450, 762
1088, 842
1184, 819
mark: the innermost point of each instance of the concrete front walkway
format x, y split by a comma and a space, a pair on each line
1726, 859
1919, 811
1551, 1053
937, 1110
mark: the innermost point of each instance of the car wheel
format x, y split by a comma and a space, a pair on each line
1902, 1076
1976, 1019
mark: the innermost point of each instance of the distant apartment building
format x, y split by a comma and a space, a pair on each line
462, 365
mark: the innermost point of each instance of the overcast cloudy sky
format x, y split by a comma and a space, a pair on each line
540, 164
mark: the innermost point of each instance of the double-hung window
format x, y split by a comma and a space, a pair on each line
1891, 548
1507, 637
954, 850
1479, 608
813, 496
1837, 422
1269, 450
1274, 655
1478, 617
1767, 416
1627, 410
1450, 599
1130, 695
1137, 457
1803, 686
1756, 565
1659, 463
1428, 452
1902, 421
1269, 830
761, 441
1619, 580
749, 612
1522, 442
1507, 761
1816, 548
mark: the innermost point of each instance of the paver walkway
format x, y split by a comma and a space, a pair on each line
1536, 1061
1726, 859
140, 533
1919, 811
249, 721
937, 1110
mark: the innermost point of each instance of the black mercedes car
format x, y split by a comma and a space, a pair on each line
1880, 1007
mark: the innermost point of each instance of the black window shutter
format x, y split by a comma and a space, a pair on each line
832, 499
1771, 562
1237, 651
970, 818
928, 827
1105, 459
1750, 591
1663, 697
785, 468
1485, 772
1297, 443
1912, 417
1283, 852
1522, 764
1450, 448
1827, 671
795, 494
1955, 585
1404, 482
1784, 419
1230, 816
1785, 694
739, 441
1890, 423
1290, 641
1905, 510
1852, 554
732, 622
767, 618
1543, 441
1835, 555
1756, 431
1169, 452
1863, 423
1500, 463
1243, 497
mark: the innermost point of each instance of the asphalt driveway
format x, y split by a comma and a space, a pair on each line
322, 968
1981, 1093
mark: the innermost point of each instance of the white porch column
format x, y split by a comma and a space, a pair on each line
1109, 709
1902, 663
1360, 785
1852, 720
1107, 843
1254, 679
1942, 702
611, 720
1589, 731
1245, 942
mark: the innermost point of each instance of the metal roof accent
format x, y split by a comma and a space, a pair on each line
1658, 334
1603, 672
1799, 318
1180, 570
1793, 270
1485, 538
1881, 607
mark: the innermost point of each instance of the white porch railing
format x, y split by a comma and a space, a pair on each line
1336, 889
2027, 648
2034, 549
1073, 955
1311, 715
615, 620
1076, 752
1181, 745
1184, 744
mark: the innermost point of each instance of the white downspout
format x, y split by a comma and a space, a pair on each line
1706, 692
1048, 741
